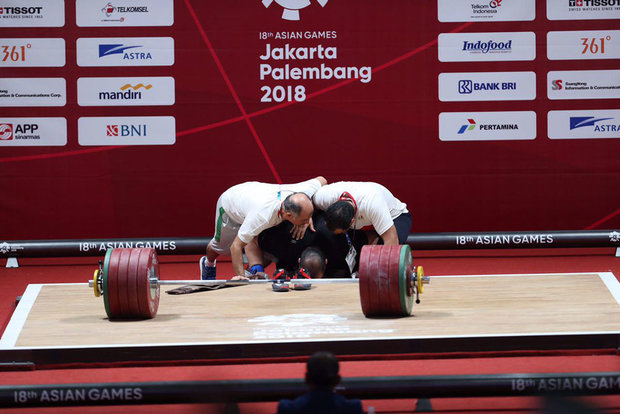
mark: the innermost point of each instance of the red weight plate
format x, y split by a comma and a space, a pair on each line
132, 284
379, 280
121, 286
148, 296
112, 284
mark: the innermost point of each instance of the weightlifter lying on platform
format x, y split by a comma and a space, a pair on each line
366, 206
246, 209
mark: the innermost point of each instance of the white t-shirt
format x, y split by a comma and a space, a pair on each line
256, 205
376, 205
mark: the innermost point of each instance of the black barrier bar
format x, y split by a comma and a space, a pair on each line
419, 241
367, 388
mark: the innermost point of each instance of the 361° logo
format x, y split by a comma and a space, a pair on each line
292, 7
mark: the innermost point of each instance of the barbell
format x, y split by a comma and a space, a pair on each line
128, 281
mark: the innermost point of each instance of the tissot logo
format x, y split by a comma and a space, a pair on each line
292, 7
593, 3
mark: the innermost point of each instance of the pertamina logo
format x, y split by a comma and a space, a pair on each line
6, 132
292, 7
468, 127
126, 130
120, 49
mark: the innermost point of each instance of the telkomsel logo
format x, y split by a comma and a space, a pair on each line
110, 10
6, 132
126, 130
468, 127
292, 7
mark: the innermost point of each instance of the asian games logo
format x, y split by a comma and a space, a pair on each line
292, 7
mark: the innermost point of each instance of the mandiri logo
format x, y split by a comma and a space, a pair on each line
292, 7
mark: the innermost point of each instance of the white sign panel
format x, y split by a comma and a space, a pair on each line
591, 44
487, 126
33, 132
32, 13
146, 130
583, 84
15, 52
583, 9
486, 10
486, 47
126, 91
584, 124
91, 13
125, 51
33, 92
487, 86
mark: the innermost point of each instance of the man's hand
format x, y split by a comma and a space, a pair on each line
298, 231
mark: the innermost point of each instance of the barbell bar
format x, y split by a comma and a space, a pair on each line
128, 280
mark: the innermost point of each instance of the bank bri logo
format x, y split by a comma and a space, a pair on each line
292, 7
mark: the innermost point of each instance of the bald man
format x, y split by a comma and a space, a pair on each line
246, 209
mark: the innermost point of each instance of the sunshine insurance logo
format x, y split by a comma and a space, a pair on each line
292, 7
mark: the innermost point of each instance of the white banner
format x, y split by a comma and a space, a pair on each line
583, 9
591, 44
584, 124
33, 92
32, 13
156, 90
145, 130
486, 10
486, 47
33, 132
43, 52
487, 126
583, 84
487, 86
125, 51
91, 13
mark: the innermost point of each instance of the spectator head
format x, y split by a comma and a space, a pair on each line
322, 371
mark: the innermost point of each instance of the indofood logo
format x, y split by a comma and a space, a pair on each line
292, 7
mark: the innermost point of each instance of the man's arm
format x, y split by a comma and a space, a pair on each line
322, 180
390, 237
236, 254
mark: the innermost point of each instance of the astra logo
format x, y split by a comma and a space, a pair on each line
292, 7
584, 121
6, 132
556, 85
126, 130
105, 50
468, 127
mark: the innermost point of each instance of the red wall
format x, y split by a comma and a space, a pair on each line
385, 130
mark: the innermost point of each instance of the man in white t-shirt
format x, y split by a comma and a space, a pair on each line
364, 205
246, 209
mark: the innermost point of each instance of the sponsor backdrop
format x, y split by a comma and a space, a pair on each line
128, 118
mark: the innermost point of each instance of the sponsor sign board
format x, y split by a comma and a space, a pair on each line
584, 124
101, 13
126, 91
583, 44
146, 130
33, 92
485, 10
583, 84
33, 132
583, 9
125, 51
487, 126
487, 86
32, 13
486, 47
42, 52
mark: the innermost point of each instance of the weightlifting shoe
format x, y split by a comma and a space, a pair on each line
280, 281
206, 272
302, 273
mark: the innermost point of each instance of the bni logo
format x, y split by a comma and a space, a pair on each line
6, 132
126, 130
465, 86
468, 127
292, 7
